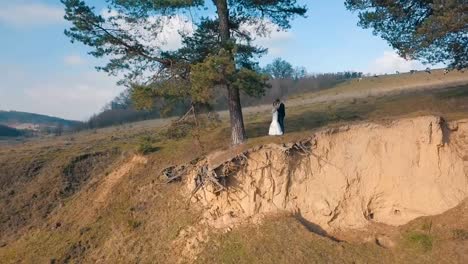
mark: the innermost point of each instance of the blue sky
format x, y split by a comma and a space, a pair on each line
42, 72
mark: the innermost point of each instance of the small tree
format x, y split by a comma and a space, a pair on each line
300, 72
433, 31
280, 69
219, 54
58, 131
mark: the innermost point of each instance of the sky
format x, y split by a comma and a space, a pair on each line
41, 71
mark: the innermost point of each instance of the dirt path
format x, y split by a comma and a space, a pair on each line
113, 178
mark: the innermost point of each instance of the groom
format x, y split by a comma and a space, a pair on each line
281, 113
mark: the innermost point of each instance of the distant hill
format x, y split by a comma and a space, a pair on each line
23, 120
6, 131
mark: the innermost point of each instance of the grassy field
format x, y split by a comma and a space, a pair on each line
394, 83
48, 188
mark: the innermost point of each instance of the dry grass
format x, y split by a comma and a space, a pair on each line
141, 216
283, 239
394, 82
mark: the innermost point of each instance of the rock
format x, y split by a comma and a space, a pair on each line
384, 241
452, 126
83, 230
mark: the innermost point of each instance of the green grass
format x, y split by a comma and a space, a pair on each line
419, 241
146, 145
283, 239
134, 224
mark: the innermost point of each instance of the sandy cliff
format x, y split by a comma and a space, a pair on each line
341, 178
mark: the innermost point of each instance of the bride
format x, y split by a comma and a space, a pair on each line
275, 128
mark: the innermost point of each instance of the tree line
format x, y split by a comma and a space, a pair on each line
284, 80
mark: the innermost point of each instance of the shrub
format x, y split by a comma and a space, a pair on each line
419, 241
460, 234
146, 145
178, 130
134, 224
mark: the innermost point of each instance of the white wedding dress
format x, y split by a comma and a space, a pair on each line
275, 128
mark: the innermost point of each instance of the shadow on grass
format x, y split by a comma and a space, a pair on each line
455, 92
309, 120
147, 149
443, 101
314, 228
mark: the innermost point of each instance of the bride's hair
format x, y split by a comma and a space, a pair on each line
276, 102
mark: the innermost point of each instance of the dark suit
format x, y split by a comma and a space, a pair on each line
281, 115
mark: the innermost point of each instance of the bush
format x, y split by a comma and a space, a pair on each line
146, 145
178, 130
134, 224
419, 241
460, 234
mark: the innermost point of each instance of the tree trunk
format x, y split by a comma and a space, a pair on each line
238, 135
223, 17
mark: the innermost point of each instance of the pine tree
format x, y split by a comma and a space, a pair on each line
431, 30
218, 55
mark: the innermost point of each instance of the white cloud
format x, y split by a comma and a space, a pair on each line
272, 37
30, 14
170, 34
157, 31
74, 60
390, 62
276, 42
167, 36
74, 95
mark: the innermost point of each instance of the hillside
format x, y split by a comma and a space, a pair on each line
356, 179
6, 131
22, 120
397, 83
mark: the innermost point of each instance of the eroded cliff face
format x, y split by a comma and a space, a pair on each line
341, 178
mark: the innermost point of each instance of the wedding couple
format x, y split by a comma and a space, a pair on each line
277, 123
